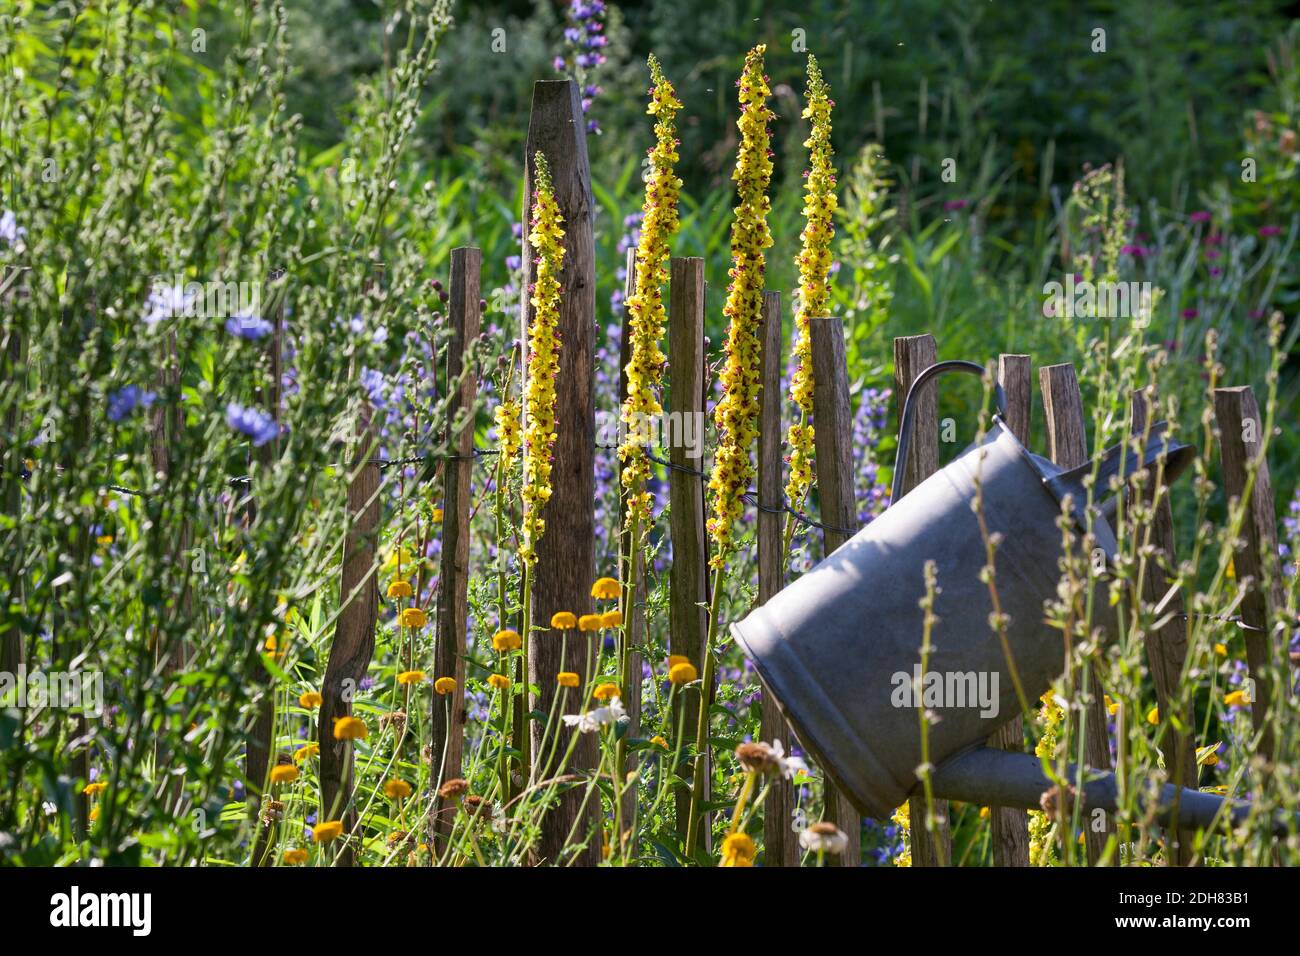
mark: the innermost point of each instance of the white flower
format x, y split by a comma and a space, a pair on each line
824, 837
789, 765
10, 232
593, 720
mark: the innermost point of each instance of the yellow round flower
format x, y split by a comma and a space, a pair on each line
611, 619
499, 681
682, 673
410, 677
677, 659
92, 789
1237, 698
567, 679
397, 789
503, 641
437, 516
605, 691
311, 699
294, 857
659, 741
605, 589
399, 589
414, 618
564, 620
1153, 716
738, 850
1221, 650
305, 751
444, 685
589, 622
350, 728
327, 832
94, 814
284, 773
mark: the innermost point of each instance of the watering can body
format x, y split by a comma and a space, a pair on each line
840, 648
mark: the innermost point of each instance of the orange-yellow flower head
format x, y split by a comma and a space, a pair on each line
397, 789
736, 414
738, 850
350, 728
606, 589
645, 306
414, 618
611, 619
589, 622
306, 751
327, 832
399, 589
295, 856
284, 773
682, 673
503, 641
444, 685
411, 677
311, 700
567, 679
564, 620
814, 262
499, 681
605, 691
543, 360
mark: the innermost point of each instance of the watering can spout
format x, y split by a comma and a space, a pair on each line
990, 777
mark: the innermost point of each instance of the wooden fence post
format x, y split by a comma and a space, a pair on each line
833, 458
354, 629
913, 354
447, 714
1241, 434
688, 575
1166, 647
780, 847
635, 568
1010, 826
14, 355
1067, 443
566, 563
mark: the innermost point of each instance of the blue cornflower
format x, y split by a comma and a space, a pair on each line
126, 400
253, 422
251, 327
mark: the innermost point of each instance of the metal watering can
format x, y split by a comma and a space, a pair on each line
840, 647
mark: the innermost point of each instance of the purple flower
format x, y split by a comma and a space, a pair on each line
1269, 231
1200, 216
165, 302
10, 231
126, 400
952, 205
253, 422
251, 327
1190, 313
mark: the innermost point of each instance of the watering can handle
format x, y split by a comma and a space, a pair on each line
909, 411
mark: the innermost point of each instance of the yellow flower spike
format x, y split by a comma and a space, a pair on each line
645, 307
1112, 707
311, 700
509, 437
543, 359
350, 728
682, 673
589, 622
284, 773
567, 679
437, 516
814, 262
606, 691
499, 681
444, 685
411, 677
611, 619
564, 620
327, 832
294, 857
306, 751
399, 589
606, 589
503, 641
397, 789
736, 414
414, 618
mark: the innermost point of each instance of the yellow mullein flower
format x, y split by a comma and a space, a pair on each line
543, 359
436, 516
606, 589
645, 307
305, 751
444, 685
736, 415
350, 728
328, 831
499, 681
509, 439
410, 677
294, 857
503, 641
399, 589
311, 699
397, 789
814, 262
284, 773
414, 618
564, 620
567, 679
1042, 848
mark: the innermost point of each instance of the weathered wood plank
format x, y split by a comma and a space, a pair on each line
833, 459
913, 354
566, 564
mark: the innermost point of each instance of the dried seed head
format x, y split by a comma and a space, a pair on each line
756, 757
453, 789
